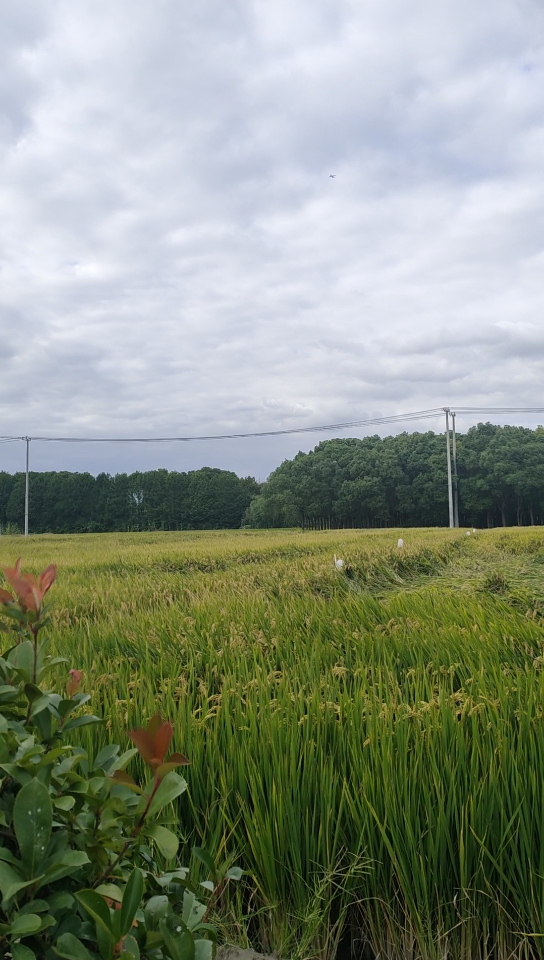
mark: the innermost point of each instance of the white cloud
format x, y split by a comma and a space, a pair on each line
174, 257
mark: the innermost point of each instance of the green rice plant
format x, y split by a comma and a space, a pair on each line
370, 748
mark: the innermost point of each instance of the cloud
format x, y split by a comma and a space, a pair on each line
174, 257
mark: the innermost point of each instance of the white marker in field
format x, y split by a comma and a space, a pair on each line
400, 543
339, 564
467, 533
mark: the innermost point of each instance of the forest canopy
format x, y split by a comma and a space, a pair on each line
206, 499
402, 481
374, 482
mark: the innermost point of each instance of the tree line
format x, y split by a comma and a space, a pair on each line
390, 481
402, 481
62, 502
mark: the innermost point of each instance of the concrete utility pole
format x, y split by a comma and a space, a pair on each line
26, 484
455, 488
450, 494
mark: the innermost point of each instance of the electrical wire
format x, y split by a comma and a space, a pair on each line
498, 410
396, 418
429, 414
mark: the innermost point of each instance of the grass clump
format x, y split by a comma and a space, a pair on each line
496, 583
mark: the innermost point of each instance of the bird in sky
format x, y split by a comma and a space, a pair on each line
333, 175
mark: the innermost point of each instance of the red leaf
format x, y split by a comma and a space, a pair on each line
11, 572
154, 725
178, 759
153, 744
47, 578
121, 777
74, 681
144, 743
24, 592
163, 739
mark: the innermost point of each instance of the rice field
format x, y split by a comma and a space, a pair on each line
368, 744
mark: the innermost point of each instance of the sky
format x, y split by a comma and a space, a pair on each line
175, 258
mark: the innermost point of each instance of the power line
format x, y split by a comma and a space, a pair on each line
373, 421
376, 421
498, 410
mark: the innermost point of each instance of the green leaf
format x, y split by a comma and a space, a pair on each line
169, 788
153, 941
49, 666
8, 857
166, 841
25, 924
60, 901
193, 910
131, 950
8, 877
47, 921
35, 906
209, 928
165, 768
83, 721
70, 947
20, 952
11, 883
66, 707
44, 723
132, 897
105, 944
179, 874
20, 886
45, 702
203, 950
33, 692
178, 940
206, 858
110, 890
32, 821
155, 910
69, 863
234, 873
13, 611
29, 749
97, 908
16, 772
105, 756
123, 760
64, 803
52, 756
22, 658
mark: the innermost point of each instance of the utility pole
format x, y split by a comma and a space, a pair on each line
455, 488
26, 484
450, 494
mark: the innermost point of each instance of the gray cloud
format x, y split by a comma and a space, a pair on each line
174, 257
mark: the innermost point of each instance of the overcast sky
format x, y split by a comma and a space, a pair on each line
175, 258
